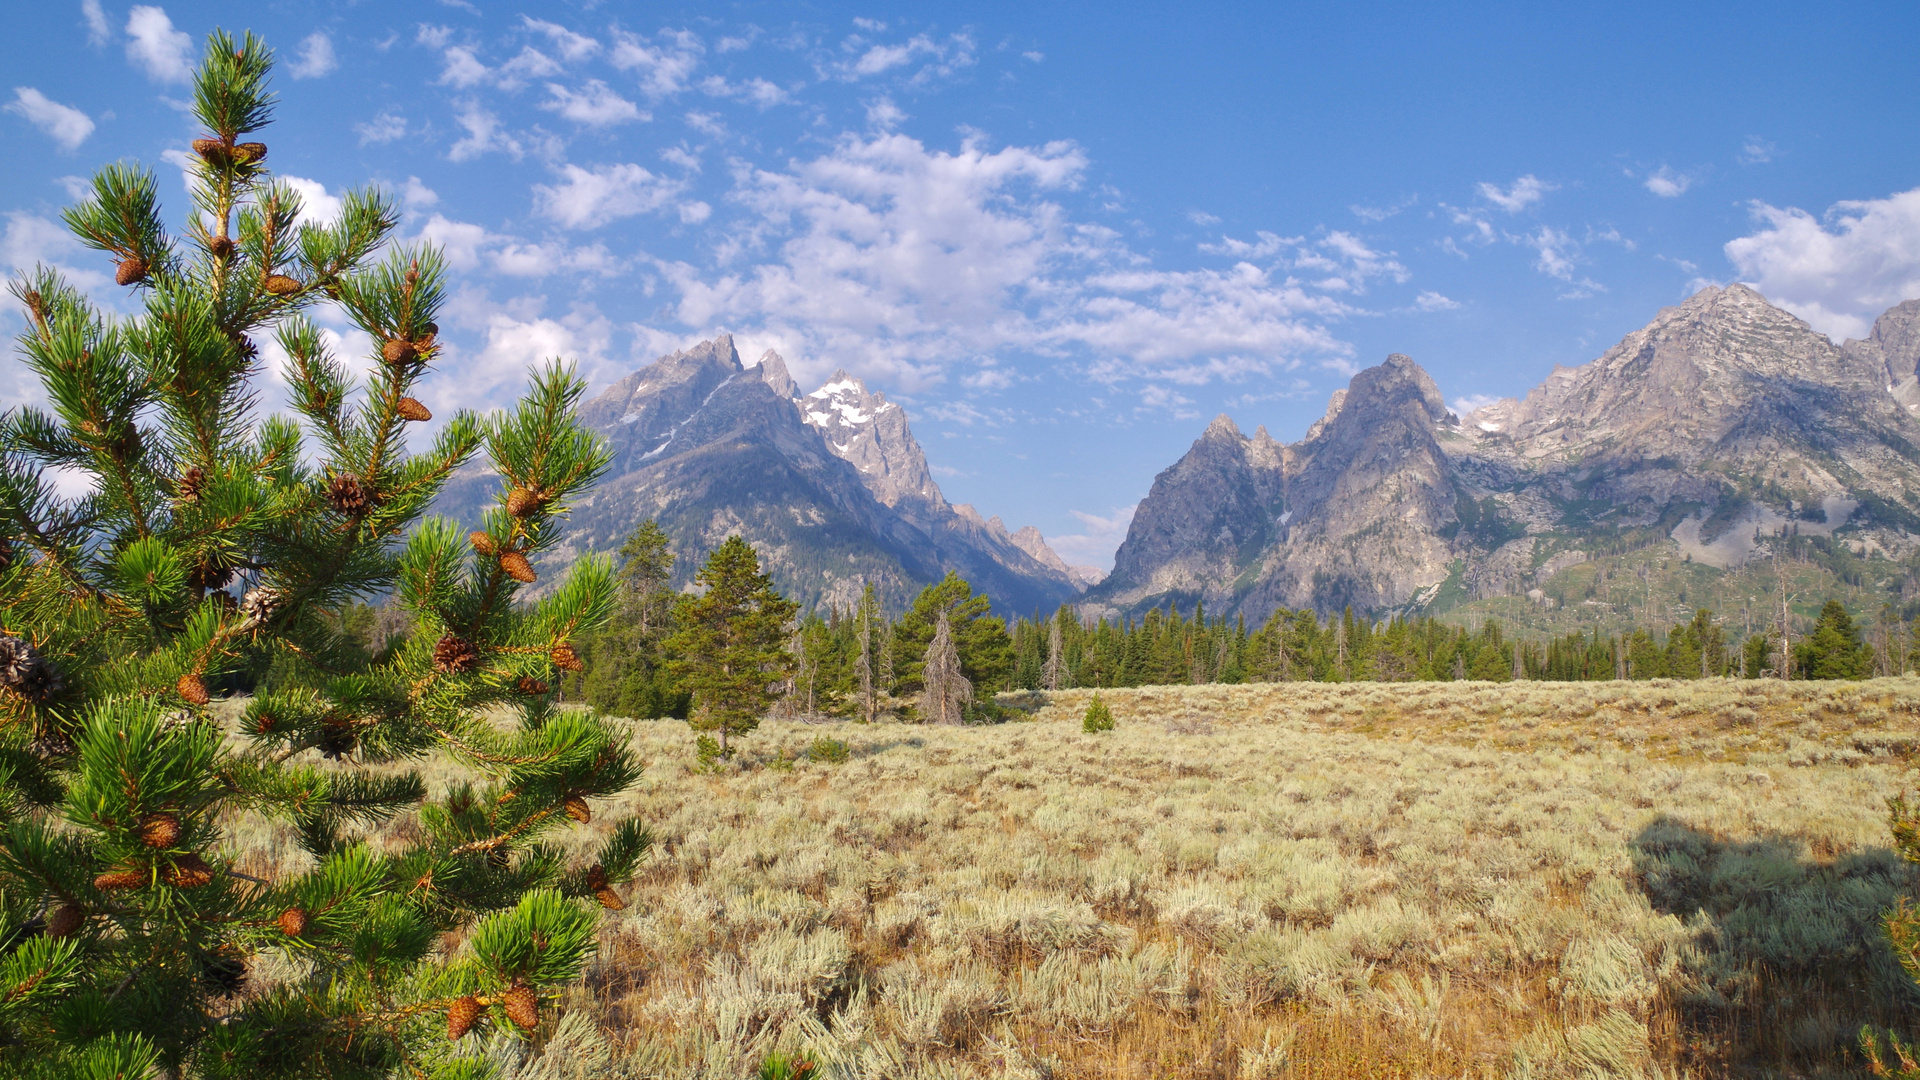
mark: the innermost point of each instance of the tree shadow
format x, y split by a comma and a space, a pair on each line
1786, 960
869, 750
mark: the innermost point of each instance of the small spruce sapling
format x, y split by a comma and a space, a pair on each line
1098, 718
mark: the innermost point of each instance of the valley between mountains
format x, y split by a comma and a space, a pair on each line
1637, 486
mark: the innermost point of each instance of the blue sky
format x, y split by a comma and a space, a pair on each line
1063, 240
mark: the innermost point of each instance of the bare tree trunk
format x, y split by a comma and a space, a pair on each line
1052, 676
946, 691
866, 661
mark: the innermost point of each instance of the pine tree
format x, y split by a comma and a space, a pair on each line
626, 670
731, 645
127, 934
945, 691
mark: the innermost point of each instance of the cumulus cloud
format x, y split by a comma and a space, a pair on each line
511, 341
664, 69
385, 128
587, 198
65, 124
470, 247
156, 47
863, 59
98, 28
461, 68
1428, 300
1839, 271
901, 261
314, 58
1756, 151
570, 45
1340, 261
484, 135
1667, 183
1099, 537
594, 105
316, 206
1523, 193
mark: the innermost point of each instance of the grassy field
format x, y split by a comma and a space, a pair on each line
1293, 880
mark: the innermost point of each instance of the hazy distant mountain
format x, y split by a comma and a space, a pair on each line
1723, 419
831, 488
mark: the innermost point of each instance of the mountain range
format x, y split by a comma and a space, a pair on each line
830, 487
1723, 421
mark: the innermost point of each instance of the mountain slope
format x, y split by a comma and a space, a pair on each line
1723, 420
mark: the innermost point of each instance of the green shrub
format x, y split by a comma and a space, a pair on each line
781, 1065
1099, 718
830, 751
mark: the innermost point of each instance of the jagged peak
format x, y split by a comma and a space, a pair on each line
996, 525
840, 383
773, 371
1222, 427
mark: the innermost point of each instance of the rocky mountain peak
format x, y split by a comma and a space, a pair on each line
871, 432
773, 371
1222, 427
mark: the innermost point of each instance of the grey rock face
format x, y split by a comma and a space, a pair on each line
710, 448
1722, 416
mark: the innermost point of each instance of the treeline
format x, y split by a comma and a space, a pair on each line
859, 661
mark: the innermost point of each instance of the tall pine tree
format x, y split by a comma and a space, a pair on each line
731, 645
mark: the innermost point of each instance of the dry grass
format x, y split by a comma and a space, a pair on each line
1296, 880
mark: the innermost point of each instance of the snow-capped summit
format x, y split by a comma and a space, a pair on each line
871, 432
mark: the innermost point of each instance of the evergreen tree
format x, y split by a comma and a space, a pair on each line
626, 669
730, 647
129, 935
1834, 649
986, 652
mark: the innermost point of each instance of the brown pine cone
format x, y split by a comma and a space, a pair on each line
531, 686
252, 153
67, 918
347, 495
455, 655
221, 247
411, 409
189, 871
461, 1015
525, 502
188, 489
481, 542
212, 151
577, 809
159, 830
126, 878
192, 689
565, 658
131, 271
597, 884
517, 567
336, 739
282, 285
523, 1006
293, 922
399, 351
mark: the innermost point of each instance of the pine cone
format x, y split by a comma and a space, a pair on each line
260, 604
282, 285
6, 553
399, 351
597, 884
125, 878
191, 481
565, 658
192, 689
131, 271
252, 153
455, 655
525, 502
411, 409
336, 739
577, 809
207, 575
523, 1006
461, 1015
67, 918
225, 973
517, 567
221, 247
159, 830
293, 922
212, 151
481, 542
347, 495
24, 671
189, 871
531, 686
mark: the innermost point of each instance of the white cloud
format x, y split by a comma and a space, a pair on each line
512, 342
315, 57
483, 135
1838, 272
98, 29
901, 262
587, 198
863, 59
1472, 403
595, 105
664, 69
1203, 219
385, 128
418, 195
1756, 151
1382, 213
462, 69
316, 206
1034, 55
884, 115
1342, 261
65, 124
1428, 300
571, 46
1667, 183
531, 63
1099, 537
1525, 191
155, 46
755, 91
470, 247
